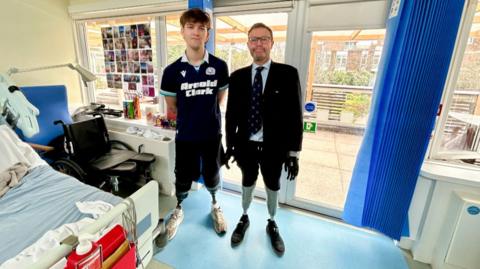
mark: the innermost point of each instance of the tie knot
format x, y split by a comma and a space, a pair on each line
259, 69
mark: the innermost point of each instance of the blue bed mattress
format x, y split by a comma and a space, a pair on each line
43, 201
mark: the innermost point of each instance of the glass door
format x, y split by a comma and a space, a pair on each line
341, 73
231, 46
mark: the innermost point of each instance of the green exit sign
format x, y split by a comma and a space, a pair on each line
310, 127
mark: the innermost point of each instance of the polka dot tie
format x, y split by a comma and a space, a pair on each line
255, 117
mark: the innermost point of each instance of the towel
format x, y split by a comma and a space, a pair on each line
12, 176
95, 208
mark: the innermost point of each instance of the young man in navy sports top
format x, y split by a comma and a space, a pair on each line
194, 86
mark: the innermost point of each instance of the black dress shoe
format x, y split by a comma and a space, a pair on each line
239, 232
275, 238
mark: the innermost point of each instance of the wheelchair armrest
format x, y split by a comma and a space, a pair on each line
41, 148
144, 158
116, 144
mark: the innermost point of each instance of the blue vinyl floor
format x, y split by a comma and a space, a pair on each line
310, 242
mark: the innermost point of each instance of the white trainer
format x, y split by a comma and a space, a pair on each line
219, 222
173, 222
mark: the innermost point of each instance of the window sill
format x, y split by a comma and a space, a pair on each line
452, 173
457, 155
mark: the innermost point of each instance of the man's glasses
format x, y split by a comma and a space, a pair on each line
255, 39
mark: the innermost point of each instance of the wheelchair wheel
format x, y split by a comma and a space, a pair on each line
70, 168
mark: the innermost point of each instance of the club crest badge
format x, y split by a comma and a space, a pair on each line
210, 71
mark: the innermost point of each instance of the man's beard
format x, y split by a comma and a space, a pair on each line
259, 57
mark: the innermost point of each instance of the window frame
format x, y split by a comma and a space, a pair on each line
434, 152
341, 59
81, 17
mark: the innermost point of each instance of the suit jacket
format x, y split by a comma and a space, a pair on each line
281, 110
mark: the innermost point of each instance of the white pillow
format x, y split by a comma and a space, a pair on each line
15, 150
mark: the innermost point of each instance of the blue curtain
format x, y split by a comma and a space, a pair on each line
418, 48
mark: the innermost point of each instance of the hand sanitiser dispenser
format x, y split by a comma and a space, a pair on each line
88, 254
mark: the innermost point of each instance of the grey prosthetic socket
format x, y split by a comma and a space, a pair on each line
272, 202
247, 196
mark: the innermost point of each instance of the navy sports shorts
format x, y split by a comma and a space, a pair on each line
195, 158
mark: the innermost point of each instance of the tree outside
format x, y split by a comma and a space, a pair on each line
342, 77
359, 104
175, 52
237, 55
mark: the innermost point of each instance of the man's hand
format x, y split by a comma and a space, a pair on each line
291, 167
227, 156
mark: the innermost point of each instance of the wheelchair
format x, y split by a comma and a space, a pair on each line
96, 160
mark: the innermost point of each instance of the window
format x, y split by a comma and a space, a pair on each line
231, 38
460, 132
122, 56
341, 89
376, 58
341, 60
349, 45
323, 58
175, 43
364, 59
231, 46
353, 65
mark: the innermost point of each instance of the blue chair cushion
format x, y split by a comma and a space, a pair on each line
52, 103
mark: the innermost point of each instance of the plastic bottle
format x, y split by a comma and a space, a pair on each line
87, 254
136, 105
84, 244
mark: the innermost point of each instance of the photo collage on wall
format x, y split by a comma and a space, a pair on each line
128, 59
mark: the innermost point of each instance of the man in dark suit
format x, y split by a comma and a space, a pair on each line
264, 127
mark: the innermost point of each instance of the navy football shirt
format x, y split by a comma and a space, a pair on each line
198, 111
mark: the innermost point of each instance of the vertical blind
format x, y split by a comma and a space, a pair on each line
417, 53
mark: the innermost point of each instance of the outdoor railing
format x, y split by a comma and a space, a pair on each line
340, 105
348, 106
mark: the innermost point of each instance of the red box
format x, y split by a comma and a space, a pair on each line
112, 240
127, 261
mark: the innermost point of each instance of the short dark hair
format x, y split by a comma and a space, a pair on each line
195, 15
260, 25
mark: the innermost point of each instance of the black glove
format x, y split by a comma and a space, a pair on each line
227, 156
291, 167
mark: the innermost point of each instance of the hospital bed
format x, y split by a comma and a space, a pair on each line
46, 198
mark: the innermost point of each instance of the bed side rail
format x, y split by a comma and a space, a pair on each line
146, 206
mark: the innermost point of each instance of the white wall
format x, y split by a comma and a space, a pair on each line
38, 33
